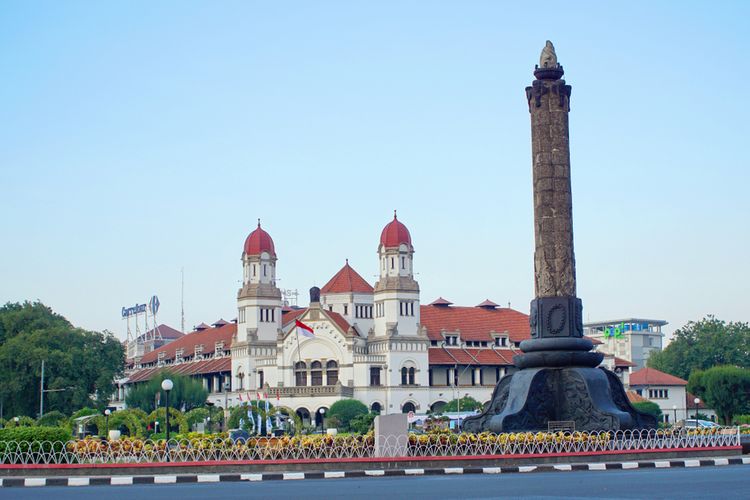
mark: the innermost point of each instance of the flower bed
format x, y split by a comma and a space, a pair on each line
198, 448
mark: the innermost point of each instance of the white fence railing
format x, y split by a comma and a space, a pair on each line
125, 451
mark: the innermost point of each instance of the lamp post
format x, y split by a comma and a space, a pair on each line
697, 402
674, 409
106, 419
167, 386
322, 412
227, 388
208, 423
156, 427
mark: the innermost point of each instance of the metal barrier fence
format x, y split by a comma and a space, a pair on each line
126, 450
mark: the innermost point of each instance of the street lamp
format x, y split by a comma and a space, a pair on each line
674, 409
208, 423
322, 412
167, 386
227, 388
156, 427
697, 402
106, 419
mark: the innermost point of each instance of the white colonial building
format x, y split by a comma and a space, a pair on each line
377, 344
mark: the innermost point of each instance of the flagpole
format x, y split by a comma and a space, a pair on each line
299, 352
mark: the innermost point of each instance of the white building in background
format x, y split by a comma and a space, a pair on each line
377, 344
667, 391
633, 339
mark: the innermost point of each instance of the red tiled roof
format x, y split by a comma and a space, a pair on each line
452, 356
167, 332
207, 337
440, 302
335, 317
338, 319
290, 316
634, 397
347, 280
652, 376
394, 233
623, 362
258, 242
475, 323
489, 304
187, 368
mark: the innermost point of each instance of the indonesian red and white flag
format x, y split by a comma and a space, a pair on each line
304, 329
240, 395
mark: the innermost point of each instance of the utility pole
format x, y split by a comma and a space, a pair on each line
41, 393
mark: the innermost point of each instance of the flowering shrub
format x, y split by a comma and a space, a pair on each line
205, 447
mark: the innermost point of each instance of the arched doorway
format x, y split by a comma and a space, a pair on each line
409, 406
304, 415
376, 407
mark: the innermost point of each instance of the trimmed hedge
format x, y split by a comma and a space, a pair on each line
35, 439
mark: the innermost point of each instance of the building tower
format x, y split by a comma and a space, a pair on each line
558, 379
396, 293
258, 305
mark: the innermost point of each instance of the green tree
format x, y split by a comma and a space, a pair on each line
345, 410
725, 389
187, 393
467, 403
649, 407
52, 419
81, 363
702, 345
363, 423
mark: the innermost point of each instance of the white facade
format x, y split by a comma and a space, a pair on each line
363, 338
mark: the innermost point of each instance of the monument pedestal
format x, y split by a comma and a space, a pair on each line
528, 400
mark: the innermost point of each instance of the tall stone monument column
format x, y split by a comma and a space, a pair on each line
558, 379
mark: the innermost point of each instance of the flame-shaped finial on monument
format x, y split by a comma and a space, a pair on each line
548, 59
548, 68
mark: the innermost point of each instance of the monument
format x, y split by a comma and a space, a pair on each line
557, 379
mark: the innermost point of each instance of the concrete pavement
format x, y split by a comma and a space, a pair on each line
726, 482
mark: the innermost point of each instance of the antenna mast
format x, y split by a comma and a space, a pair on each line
182, 301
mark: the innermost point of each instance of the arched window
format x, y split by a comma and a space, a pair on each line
300, 373
316, 373
332, 373
412, 372
408, 407
376, 408
404, 375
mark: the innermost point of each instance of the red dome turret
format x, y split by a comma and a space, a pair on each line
258, 242
394, 234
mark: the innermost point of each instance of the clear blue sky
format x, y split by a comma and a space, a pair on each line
137, 138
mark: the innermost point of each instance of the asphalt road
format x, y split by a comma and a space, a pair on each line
724, 482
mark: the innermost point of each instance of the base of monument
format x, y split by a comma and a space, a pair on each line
527, 400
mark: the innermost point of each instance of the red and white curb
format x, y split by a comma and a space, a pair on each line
289, 476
